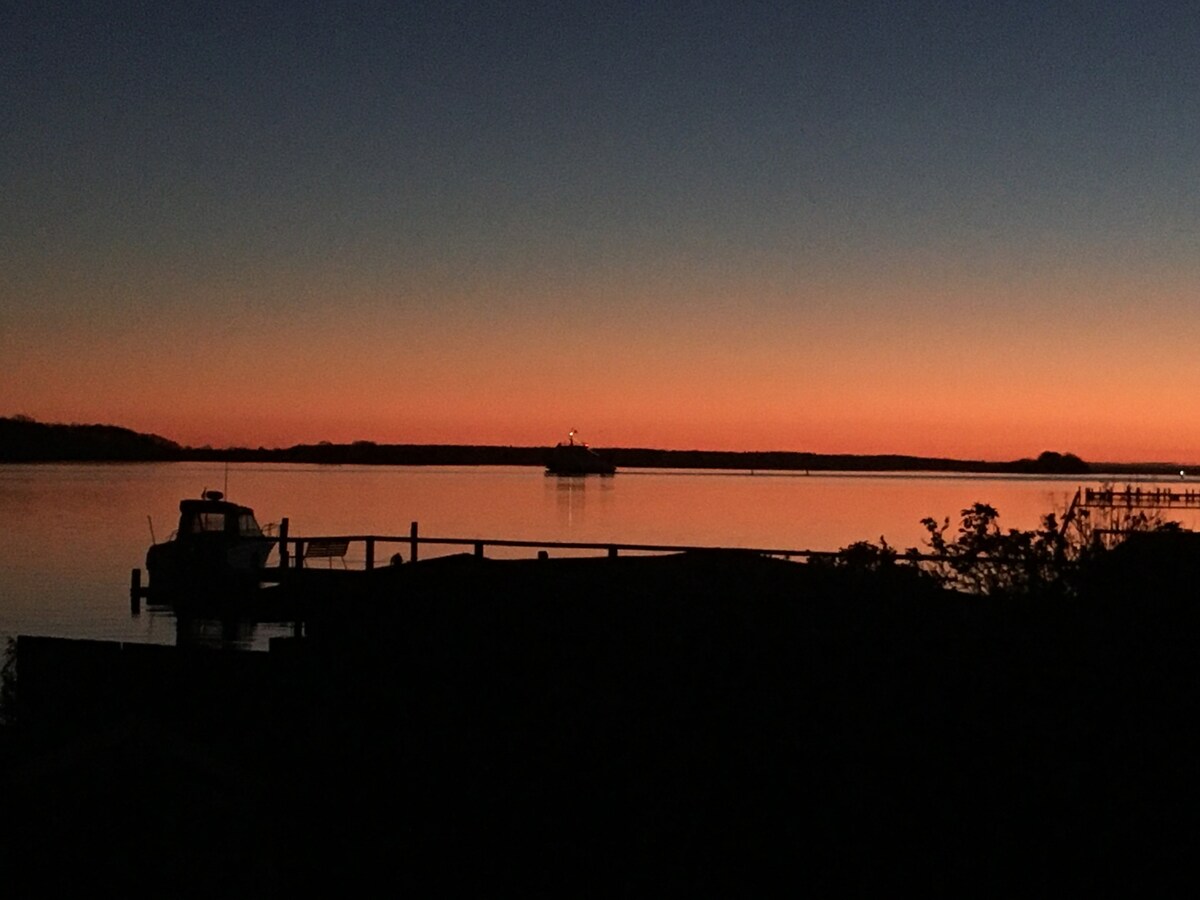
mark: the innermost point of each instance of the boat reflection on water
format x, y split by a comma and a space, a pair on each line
220, 634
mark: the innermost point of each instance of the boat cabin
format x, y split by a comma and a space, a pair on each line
214, 515
217, 543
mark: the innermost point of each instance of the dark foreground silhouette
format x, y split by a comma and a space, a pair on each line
712, 724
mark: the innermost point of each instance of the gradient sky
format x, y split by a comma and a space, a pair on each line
966, 229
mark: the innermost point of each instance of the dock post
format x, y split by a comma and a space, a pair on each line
370, 563
135, 592
479, 549
283, 539
412, 543
612, 552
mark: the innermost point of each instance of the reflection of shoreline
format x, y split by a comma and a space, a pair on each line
915, 475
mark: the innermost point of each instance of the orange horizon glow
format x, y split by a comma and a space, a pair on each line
275, 432
1108, 387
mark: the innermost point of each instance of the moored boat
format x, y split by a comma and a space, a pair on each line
217, 544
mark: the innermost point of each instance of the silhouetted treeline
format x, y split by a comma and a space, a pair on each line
1048, 462
367, 453
24, 440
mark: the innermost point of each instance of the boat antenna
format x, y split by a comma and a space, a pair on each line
150, 522
226, 491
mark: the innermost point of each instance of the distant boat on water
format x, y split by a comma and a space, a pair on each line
577, 459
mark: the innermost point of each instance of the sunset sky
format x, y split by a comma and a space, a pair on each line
965, 229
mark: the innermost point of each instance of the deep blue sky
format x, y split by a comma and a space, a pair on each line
859, 226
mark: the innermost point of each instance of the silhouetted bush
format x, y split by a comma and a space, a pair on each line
981, 558
984, 559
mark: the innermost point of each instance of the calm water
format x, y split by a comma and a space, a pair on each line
73, 532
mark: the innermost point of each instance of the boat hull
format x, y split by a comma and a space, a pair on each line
190, 566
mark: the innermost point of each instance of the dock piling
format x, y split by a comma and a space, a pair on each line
135, 592
283, 540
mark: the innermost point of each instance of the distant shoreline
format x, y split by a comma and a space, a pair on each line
624, 458
24, 440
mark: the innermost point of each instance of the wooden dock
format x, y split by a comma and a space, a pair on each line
1131, 497
295, 551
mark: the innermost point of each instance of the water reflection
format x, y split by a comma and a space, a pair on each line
73, 532
218, 633
571, 496
167, 626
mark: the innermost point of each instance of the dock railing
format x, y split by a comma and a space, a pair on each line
293, 549
1117, 512
1132, 497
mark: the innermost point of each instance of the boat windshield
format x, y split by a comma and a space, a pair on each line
247, 526
207, 521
